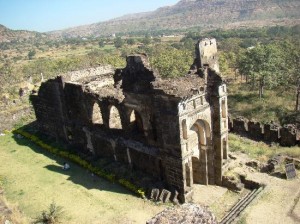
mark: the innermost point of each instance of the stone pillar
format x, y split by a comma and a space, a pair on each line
218, 159
210, 163
203, 160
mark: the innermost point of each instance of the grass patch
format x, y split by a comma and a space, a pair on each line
34, 179
260, 150
72, 156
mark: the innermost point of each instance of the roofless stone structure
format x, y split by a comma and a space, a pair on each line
174, 129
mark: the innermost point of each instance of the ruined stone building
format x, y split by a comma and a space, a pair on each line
174, 129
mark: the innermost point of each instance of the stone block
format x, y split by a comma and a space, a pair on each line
174, 197
271, 132
297, 163
164, 195
288, 135
255, 130
154, 194
240, 126
232, 183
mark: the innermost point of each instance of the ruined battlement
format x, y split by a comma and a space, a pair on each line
174, 129
206, 51
286, 135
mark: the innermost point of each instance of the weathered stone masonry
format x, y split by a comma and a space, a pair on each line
174, 129
286, 135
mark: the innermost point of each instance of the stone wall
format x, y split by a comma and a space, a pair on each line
286, 135
175, 130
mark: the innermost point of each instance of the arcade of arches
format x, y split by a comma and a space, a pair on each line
176, 131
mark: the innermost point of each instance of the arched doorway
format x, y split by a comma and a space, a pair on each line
114, 118
200, 141
136, 123
96, 114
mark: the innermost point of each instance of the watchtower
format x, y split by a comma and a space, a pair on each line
207, 54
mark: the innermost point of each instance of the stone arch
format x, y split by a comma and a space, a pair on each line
202, 129
202, 144
97, 114
132, 117
114, 118
136, 122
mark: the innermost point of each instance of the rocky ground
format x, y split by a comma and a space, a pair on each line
277, 203
184, 214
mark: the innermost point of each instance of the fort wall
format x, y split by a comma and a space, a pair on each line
286, 135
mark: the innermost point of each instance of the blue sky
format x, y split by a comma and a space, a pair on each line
47, 15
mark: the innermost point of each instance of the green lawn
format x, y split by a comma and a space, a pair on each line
34, 179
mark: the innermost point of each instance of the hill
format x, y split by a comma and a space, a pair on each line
205, 14
8, 35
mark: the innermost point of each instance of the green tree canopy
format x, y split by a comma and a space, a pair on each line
101, 43
263, 65
171, 62
118, 42
31, 54
131, 41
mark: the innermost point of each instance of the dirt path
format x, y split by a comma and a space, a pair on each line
278, 203
35, 180
275, 204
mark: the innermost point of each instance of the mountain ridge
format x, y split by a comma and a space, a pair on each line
206, 14
203, 14
9, 35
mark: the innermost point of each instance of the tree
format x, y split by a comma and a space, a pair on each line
101, 43
262, 64
146, 40
189, 43
131, 41
170, 61
31, 54
118, 42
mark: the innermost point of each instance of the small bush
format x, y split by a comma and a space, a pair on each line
52, 216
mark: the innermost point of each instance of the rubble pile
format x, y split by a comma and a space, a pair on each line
185, 214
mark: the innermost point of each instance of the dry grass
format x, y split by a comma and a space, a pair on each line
10, 212
260, 150
277, 105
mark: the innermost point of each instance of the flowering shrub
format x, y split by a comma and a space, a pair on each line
83, 163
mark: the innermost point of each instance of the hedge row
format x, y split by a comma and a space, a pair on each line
78, 160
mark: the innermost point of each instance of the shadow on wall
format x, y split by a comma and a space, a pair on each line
77, 174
